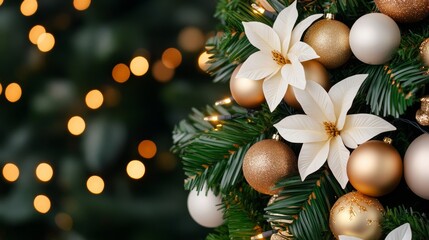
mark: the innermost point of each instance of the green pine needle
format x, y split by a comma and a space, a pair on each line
394, 217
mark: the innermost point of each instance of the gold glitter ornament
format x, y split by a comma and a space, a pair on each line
422, 115
404, 10
424, 52
314, 71
266, 162
375, 168
357, 215
246, 92
330, 39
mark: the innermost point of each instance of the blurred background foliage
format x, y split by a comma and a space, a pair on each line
42, 91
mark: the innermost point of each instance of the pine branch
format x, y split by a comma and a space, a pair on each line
302, 207
220, 233
395, 217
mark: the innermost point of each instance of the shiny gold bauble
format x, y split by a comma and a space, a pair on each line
424, 52
416, 166
314, 71
246, 92
330, 39
375, 168
357, 215
266, 162
422, 115
404, 11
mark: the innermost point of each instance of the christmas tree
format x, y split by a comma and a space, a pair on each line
324, 135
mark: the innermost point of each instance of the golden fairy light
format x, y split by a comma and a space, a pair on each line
135, 169
171, 58
1, 88
94, 99
10, 172
76, 125
191, 39
45, 42
147, 149
1, 2
42, 204
35, 33
28, 7
13, 92
162, 73
203, 61
81, 5
64, 221
139, 66
95, 184
121, 73
44, 172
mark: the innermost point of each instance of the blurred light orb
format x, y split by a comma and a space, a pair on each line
95, 184
42, 204
1, 88
81, 5
28, 7
1, 2
10, 172
45, 42
64, 221
203, 61
94, 99
35, 33
121, 73
135, 169
139, 66
161, 73
147, 149
191, 39
171, 58
44, 172
13, 92
76, 125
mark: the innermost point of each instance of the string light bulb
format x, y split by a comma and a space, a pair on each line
258, 9
264, 235
224, 101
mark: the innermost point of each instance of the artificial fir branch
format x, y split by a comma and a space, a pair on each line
395, 217
220, 233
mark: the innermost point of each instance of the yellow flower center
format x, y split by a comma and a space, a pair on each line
331, 129
278, 58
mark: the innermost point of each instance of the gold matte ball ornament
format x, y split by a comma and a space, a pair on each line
266, 162
424, 52
246, 92
404, 11
375, 168
330, 39
356, 215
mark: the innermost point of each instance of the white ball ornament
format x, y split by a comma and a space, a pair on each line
204, 208
374, 38
416, 166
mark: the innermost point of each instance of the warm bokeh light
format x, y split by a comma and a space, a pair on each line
45, 42
42, 204
171, 58
121, 73
139, 66
95, 184
64, 221
81, 5
76, 125
10, 172
147, 149
28, 7
136, 169
1, 88
162, 73
35, 33
191, 39
203, 59
94, 99
13, 92
44, 172
1, 2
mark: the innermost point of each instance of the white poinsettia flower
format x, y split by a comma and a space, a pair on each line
326, 129
280, 54
402, 232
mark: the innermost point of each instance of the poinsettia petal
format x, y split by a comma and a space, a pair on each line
344, 237
302, 26
312, 157
262, 36
283, 25
295, 76
301, 128
337, 160
258, 66
274, 88
303, 51
402, 232
315, 102
362, 127
343, 94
